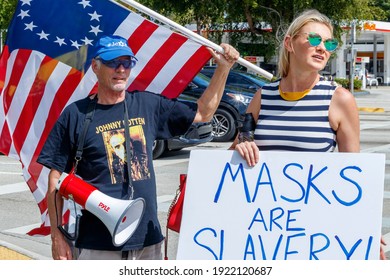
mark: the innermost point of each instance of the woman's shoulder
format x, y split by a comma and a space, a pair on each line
343, 97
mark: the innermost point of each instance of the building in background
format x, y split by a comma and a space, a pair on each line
371, 52
371, 49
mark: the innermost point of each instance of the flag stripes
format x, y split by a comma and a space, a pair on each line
178, 81
35, 87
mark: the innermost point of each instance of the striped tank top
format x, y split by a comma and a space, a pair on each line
301, 125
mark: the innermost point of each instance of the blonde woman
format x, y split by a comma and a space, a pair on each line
301, 111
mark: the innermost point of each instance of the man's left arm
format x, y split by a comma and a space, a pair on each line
209, 101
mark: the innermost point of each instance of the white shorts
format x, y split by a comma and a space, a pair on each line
152, 252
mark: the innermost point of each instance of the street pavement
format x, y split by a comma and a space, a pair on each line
19, 212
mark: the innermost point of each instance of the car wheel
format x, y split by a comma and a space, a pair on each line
224, 127
159, 147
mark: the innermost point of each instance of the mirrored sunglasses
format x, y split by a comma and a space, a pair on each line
316, 39
116, 63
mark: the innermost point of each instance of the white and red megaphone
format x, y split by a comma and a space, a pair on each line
121, 217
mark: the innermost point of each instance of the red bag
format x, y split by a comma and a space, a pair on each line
175, 211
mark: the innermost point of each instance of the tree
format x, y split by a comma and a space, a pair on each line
202, 12
280, 13
261, 24
7, 9
264, 22
385, 6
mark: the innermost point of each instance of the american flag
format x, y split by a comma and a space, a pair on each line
45, 65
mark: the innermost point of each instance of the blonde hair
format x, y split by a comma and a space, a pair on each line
294, 28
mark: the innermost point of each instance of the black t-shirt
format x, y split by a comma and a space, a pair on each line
103, 163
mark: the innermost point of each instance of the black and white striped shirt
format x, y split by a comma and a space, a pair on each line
301, 125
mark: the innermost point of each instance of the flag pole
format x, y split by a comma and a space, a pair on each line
195, 37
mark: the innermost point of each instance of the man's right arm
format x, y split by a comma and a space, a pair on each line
60, 247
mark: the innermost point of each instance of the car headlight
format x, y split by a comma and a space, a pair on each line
241, 98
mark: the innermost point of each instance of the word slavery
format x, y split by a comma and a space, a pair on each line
277, 228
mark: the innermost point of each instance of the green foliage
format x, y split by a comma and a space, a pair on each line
357, 84
7, 9
280, 13
385, 6
343, 82
202, 12
262, 23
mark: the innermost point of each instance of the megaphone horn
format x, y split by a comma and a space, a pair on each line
121, 217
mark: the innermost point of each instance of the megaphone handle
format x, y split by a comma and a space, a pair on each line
76, 230
77, 222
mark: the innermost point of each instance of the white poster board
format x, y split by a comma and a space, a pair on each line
325, 206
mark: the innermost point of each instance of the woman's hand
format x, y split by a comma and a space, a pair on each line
249, 151
382, 253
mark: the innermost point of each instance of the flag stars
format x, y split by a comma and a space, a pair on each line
87, 41
75, 44
43, 35
85, 3
23, 14
63, 41
30, 26
95, 16
95, 29
26, 2
60, 41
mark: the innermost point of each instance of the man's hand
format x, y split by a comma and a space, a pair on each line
60, 248
228, 58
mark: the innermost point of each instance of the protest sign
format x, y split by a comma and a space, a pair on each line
305, 206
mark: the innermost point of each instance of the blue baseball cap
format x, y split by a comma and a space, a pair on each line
111, 47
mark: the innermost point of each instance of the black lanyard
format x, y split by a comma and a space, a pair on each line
129, 151
127, 193
87, 121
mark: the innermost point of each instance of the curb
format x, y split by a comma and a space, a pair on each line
8, 254
9, 251
372, 109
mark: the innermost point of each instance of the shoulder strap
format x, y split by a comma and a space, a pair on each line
87, 121
129, 151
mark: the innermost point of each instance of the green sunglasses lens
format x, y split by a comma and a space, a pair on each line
315, 40
331, 44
